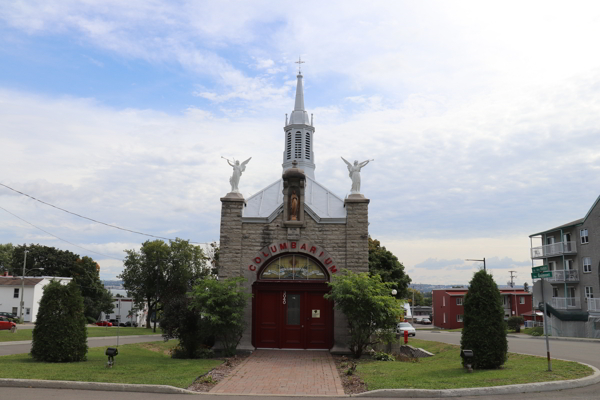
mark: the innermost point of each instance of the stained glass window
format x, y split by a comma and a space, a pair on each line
293, 267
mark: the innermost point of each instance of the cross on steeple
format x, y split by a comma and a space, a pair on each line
299, 62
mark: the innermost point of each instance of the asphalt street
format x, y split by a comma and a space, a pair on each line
587, 352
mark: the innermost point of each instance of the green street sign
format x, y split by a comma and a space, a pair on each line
541, 268
537, 275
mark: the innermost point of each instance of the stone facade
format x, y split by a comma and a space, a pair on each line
341, 245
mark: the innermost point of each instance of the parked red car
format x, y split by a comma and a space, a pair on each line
6, 325
103, 323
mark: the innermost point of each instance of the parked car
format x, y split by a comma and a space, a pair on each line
9, 316
405, 326
114, 322
6, 325
128, 323
426, 321
103, 323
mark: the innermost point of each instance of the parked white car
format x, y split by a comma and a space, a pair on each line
405, 326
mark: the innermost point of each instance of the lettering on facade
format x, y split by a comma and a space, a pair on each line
292, 247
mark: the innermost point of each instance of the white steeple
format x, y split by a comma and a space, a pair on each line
299, 134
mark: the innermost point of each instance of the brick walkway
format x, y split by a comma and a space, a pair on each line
284, 372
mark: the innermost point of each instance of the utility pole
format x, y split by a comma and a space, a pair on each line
22, 285
512, 278
468, 259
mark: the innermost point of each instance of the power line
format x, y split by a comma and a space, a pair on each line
66, 241
90, 219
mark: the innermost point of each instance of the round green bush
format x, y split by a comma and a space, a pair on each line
60, 333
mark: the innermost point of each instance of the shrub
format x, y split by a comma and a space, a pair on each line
369, 308
221, 304
383, 356
484, 328
60, 333
514, 323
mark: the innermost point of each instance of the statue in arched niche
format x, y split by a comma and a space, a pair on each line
294, 206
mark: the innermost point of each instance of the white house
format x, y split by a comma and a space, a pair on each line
122, 311
10, 294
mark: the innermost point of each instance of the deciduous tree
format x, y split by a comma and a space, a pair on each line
369, 307
385, 264
6, 254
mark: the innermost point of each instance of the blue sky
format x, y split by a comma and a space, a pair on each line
483, 119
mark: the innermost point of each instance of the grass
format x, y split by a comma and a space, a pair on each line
444, 371
25, 334
142, 363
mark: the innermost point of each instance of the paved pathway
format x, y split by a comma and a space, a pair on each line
284, 372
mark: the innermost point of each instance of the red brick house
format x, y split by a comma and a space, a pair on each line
448, 305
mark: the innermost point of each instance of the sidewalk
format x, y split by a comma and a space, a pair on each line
284, 372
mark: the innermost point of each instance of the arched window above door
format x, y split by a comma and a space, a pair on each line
293, 267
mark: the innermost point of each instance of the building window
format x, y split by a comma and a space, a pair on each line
14, 310
444, 301
16, 293
459, 301
522, 300
288, 146
554, 291
505, 301
444, 317
293, 268
569, 264
583, 234
587, 264
589, 292
459, 318
298, 146
307, 146
27, 311
552, 265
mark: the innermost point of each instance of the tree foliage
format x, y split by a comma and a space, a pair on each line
385, 264
222, 304
63, 263
180, 320
160, 270
369, 307
6, 254
484, 329
60, 333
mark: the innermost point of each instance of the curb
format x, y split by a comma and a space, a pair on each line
109, 387
488, 391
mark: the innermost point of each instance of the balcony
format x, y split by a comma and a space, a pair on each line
593, 305
564, 275
566, 303
553, 250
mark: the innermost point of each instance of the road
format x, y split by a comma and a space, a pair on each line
588, 353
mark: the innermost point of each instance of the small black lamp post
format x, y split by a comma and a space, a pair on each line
467, 356
111, 352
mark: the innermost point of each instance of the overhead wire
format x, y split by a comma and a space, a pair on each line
53, 235
90, 219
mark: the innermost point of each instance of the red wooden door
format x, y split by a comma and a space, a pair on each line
267, 319
318, 321
292, 321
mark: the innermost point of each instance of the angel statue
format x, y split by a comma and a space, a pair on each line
237, 173
354, 173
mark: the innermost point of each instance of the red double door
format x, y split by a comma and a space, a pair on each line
292, 317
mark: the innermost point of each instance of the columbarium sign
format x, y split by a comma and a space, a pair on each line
298, 246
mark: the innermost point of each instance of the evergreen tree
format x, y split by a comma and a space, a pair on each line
484, 330
60, 333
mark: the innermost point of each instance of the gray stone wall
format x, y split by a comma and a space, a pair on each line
346, 243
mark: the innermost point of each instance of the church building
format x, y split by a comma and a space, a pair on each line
290, 239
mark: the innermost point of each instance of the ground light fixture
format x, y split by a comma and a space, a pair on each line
111, 352
467, 356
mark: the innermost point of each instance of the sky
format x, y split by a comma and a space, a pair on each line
483, 119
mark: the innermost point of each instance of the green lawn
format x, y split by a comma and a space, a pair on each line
142, 363
25, 334
444, 371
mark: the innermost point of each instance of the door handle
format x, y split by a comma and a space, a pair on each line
302, 326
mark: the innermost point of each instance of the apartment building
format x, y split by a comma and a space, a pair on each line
572, 253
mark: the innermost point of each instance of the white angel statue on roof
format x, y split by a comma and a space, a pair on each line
354, 174
237, 173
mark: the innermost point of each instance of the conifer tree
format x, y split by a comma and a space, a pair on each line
484, 329
60, 333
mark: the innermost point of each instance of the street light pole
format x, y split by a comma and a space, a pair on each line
478, 260
23, 285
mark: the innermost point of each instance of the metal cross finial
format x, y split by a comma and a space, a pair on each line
299, 62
